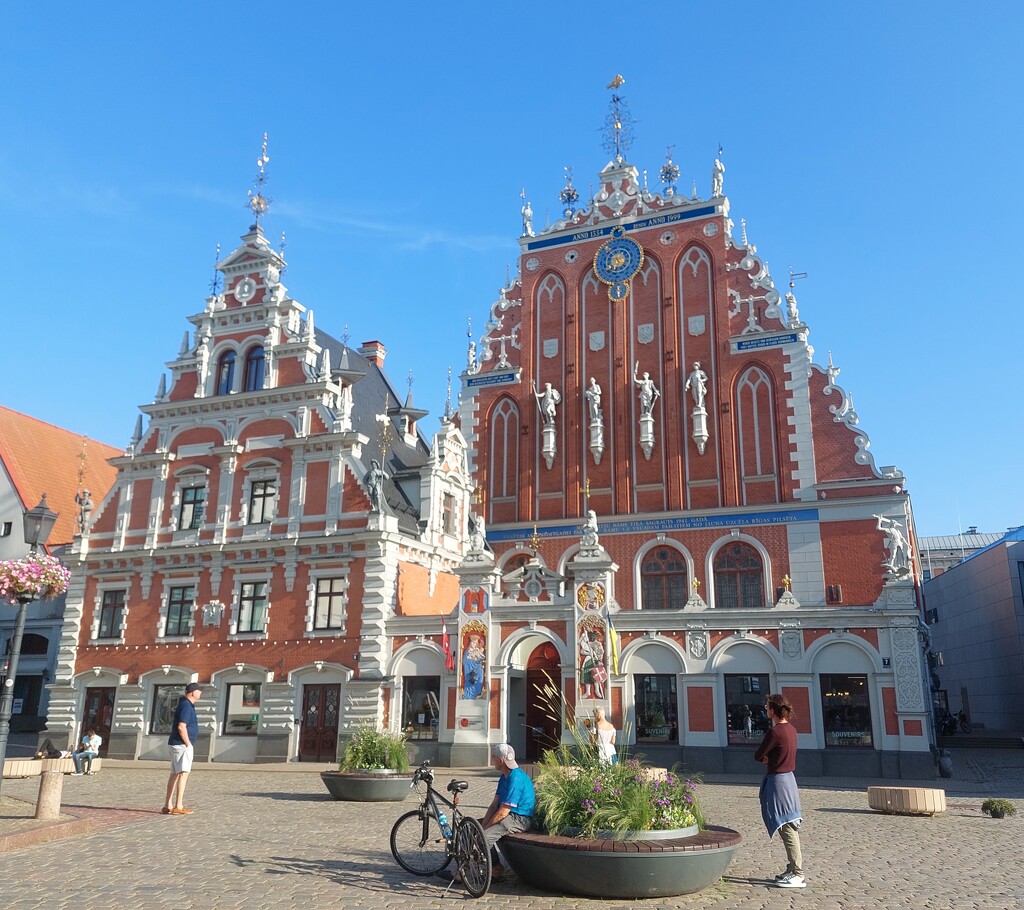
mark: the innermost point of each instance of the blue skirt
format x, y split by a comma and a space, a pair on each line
780, 801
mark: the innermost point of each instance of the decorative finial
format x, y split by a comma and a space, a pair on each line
215, 282
619, 123
786, 582
280, 252
448, 398
743, 232
385, 428
693, 191
795, 276
569, 195
695, 584
669, 173
534, 541
508, 276
258, 203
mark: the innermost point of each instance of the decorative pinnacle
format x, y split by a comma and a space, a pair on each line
448, 398
215, 282
786, 582
345, 335
258, 203
618, 127
695, 584
534, 541
669, 172
569, 195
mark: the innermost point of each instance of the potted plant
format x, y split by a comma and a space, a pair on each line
374, 767
36, 577
593, 816
998, 808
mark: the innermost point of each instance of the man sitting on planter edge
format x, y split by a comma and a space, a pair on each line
511, 810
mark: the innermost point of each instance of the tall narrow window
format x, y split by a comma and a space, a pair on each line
421, 706
330, 603
226, 373
242, 709
739, 577
252, 607
846, 710
664, 577
255, 366
180, 602
655, 699
261, 501
111, 614
193, 501
448, 513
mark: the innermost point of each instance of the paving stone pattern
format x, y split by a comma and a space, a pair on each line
270, 837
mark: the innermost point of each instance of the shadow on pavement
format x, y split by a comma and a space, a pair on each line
291, 797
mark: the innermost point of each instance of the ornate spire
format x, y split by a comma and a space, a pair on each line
669, 173
569, 195
215, 281
258, 203
448, 399
618, 128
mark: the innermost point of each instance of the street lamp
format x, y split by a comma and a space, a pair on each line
38, 524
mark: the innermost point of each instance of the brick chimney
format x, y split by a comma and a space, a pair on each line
375, 352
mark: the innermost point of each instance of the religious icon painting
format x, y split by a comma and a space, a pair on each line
593, 667
475, 600
590, 595
474, 660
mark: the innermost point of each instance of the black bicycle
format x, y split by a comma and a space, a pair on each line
426, 840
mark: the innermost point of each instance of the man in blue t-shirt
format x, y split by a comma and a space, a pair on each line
184, 733
511, 810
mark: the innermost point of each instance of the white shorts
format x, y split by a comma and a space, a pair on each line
181, 759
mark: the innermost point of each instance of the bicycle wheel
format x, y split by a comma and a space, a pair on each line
473, 857
418, 845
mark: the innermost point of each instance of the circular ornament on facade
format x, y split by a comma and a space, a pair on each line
245, 290
572, 255
618, 291
618, 259
710, 229
667, 237
533, 588
532, 264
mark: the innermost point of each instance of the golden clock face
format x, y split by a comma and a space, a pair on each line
618, 259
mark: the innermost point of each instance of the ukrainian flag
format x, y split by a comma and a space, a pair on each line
613, 638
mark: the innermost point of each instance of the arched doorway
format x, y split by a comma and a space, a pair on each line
543, 721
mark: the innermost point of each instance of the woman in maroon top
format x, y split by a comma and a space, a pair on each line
780, 800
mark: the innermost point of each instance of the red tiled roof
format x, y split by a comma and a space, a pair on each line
41, 458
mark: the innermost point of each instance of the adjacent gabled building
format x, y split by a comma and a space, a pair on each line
278, 507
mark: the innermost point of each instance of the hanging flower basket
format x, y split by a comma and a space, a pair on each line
36, 577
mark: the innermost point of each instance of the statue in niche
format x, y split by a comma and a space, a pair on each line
593, 396
547, 401
478, 539
899, 548
374, 481
648, 391
717, 177
697, 385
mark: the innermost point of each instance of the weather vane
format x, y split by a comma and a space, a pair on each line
669, 172
618, 128
258, 203
569, 195
215, 282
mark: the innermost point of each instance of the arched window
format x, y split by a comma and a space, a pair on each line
255, 366
226, 373
739, 577
663, 579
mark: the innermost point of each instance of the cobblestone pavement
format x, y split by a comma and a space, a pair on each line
269, 836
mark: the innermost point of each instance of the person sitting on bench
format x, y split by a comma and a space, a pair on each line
86, 752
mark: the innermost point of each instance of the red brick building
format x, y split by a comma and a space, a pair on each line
645, 369
275, 515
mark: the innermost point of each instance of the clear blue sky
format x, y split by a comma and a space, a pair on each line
874, 145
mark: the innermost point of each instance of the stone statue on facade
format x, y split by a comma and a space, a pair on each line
588, 533
374, 481
593, 396
717, 177
648, 391
84, 502
697, 385
547, 401
898, 562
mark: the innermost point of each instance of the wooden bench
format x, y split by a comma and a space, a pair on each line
907, 800
33, 767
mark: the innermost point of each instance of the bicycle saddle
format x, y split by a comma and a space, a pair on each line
458, 786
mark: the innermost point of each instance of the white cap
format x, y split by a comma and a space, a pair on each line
507, 754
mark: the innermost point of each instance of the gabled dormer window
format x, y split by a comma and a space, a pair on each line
255, 368
226, 373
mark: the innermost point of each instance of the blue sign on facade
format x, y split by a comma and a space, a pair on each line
656, 525
642, 224
494, 379
769, 341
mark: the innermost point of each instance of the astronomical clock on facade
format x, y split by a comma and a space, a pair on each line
682, 510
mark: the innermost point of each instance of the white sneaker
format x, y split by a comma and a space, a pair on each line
76, 773
785, 873
90, 772
791, 880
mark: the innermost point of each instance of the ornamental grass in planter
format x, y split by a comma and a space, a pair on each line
998, 808
616, 830
373, 768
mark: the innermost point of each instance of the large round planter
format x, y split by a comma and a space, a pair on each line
622, 868
367, 786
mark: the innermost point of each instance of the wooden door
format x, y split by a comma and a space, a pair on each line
98, 714
318, 738
543, 720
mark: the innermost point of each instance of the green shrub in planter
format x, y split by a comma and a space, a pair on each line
371, 749
997, 808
